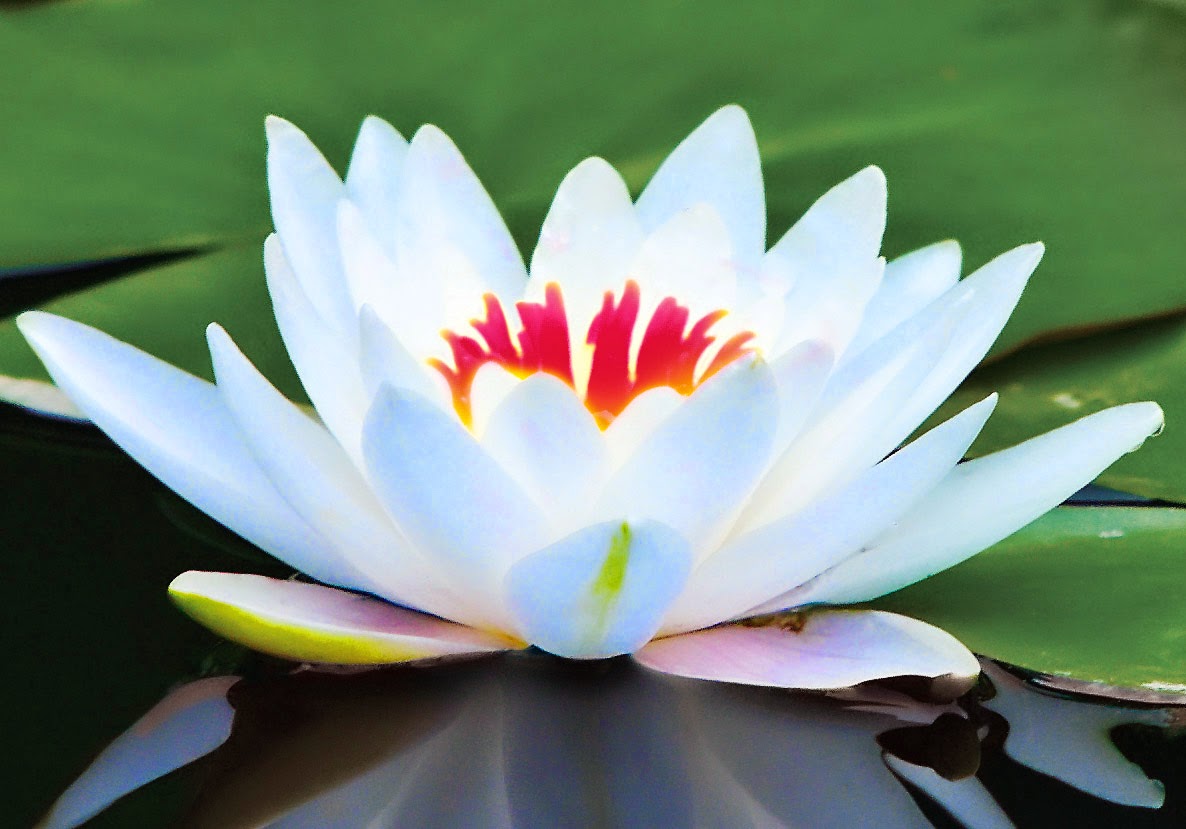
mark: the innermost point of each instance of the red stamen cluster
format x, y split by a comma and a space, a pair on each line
667, 354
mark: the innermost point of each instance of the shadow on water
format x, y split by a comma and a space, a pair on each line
530, 741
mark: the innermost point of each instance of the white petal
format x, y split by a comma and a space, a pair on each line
549, 442
764, 563
177, 427
983, 501
820, 650
315, 476
305, 190
849, 429
312, 623
829, 259
328, 368
966, 800
695, 470
600, 592
994, 291
639, 420
445, 213
911, 282
1070, 740
718, 164
373, 178
492, 384
384, 359
801, 374
589, 237
189, 723
451, 499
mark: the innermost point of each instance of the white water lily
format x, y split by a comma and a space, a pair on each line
659, 432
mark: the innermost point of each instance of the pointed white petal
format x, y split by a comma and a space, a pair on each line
451, 499
1071, 741
177, 427
549, 442
849, 429
815, 651
312, 623
589, 237
446, 218
911, 282
696, 470
384, 359
966, 800
373, 178
765, 562
327, 367
718, 164
316, 477
829, 259
983, 501
304, 190
189, 723
600, 592
992, 293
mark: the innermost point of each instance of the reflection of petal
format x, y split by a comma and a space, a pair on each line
189, 723
599, 747
1070, 740
966, 800
807, 762
312, 744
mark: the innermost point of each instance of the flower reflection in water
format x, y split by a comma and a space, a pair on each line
535, 742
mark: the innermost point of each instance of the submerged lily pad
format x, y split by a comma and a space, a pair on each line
1092, 593
134, 127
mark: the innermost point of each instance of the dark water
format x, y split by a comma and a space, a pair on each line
525, 741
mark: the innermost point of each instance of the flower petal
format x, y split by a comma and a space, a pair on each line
317, 478
589, 238
911, 282
189, 723
829, 259
600, 592
801, 374
445, 212
983, 501
549, 442
178, 428
818, 651
450, 498
846, 431
384, 359
718, 164
698, 467
373, 178
763, 563
639, 420
304, 191
327, 367
312, 623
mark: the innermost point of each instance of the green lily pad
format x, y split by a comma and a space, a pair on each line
1043, 387
133, 127
1092, 593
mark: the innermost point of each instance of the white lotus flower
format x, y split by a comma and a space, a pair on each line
659, 432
